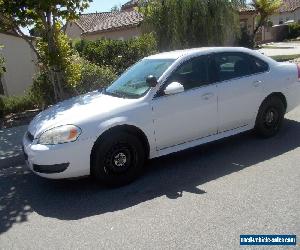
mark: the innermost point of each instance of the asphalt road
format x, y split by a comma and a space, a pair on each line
202, 198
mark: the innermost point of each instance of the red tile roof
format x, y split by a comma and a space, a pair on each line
103, 21
289, 5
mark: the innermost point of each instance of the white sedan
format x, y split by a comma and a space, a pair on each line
163, 104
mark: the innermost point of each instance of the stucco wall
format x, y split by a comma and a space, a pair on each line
286, 16
248, 20
73, 30
19, 63
123, 34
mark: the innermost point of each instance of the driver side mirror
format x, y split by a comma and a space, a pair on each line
151, 81
174, 88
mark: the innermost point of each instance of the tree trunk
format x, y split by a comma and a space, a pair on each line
55, 72
260, 24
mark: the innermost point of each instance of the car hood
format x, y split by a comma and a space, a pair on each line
76, 110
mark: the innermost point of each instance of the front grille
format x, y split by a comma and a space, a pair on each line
30, 136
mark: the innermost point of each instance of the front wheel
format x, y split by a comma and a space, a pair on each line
117, 159
270, 117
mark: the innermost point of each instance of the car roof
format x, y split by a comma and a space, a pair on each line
204, 50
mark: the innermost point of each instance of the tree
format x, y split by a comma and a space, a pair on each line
265, 8
2, 63
190, 23
115, 8
47, 17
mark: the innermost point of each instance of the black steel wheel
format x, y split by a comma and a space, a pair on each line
270, 117
117, 159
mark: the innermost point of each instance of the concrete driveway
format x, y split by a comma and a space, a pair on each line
202, 198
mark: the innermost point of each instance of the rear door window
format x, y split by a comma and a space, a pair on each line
257, 65
230, 65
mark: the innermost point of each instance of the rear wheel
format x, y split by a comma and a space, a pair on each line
270, 117
117, 159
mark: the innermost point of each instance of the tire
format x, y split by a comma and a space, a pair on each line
117, 159
270, 117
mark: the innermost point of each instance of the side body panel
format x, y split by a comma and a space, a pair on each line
185, 116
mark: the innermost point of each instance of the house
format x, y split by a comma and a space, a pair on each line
288, 12
118, 25
19, 63
247, 18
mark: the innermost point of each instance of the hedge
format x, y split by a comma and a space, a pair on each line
294, 30
92, 77
117, 54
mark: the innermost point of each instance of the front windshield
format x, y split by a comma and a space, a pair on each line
132, 83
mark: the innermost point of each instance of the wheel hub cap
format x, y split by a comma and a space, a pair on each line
270, 117
120, 160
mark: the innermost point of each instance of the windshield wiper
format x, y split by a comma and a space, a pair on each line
120, 94
115, 94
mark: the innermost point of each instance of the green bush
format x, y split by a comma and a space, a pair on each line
294, 30
92, 77
42, 90
115, 53
16, 104
246, 40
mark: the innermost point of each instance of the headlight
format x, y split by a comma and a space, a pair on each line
58, 135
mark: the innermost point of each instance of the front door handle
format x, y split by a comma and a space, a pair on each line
257, 83
207, 96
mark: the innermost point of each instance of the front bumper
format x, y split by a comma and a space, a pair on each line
69, 160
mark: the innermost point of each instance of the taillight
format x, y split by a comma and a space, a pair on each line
298, 67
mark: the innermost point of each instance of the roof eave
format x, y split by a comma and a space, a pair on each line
75, 21
111, 29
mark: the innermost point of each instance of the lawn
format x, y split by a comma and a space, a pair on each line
285, 58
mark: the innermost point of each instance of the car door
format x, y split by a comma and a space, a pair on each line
191, 114
240, 79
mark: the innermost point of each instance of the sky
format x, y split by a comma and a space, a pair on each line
104, 5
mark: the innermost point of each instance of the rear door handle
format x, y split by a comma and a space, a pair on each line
257, 83
207, 96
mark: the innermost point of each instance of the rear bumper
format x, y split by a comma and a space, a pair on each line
293, 96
